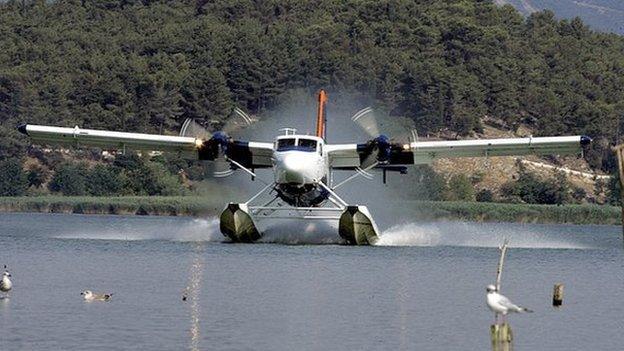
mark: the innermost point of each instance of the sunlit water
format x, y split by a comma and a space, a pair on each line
423, 289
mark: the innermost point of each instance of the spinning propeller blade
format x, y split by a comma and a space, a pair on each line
366, 120
222, 168
215, 142
190, 128
239, 120
380, 148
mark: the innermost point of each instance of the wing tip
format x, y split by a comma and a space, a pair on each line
22, 128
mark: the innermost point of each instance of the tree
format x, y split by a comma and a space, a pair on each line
561, 189
140, 176
614, 190
69, 179
164, 183
205, 95
579, 195
104, 180
485, 195
460, 188
534, 190
13, 181
428, 185
37, 175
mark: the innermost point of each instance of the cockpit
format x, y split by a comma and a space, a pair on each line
297, 143
307, 145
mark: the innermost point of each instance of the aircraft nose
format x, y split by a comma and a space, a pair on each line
292, 168
293, 163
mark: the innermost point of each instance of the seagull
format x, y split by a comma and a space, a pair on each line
501, 304
90, 296
5, 284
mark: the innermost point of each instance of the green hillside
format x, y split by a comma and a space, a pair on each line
149, 65
605, 15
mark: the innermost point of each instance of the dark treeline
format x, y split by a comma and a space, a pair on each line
148, 65
122, 176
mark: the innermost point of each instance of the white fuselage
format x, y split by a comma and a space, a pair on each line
299, 160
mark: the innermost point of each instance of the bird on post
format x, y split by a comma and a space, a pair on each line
500, 304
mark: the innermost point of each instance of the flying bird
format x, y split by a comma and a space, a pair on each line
5, 284
91, 296
500, 304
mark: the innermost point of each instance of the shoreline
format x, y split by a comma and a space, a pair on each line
123, 205
200, 206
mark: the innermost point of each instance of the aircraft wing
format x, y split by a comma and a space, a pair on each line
351, 156
249, 154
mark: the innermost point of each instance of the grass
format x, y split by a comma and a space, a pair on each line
126, 205
522, 213
206, 206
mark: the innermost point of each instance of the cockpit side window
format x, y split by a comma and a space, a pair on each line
286, 144
307, 145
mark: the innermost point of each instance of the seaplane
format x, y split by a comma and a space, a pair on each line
303, 165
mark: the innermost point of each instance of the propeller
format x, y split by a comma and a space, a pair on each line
213, 141
190, 128
239, 121
380, 147
366, 120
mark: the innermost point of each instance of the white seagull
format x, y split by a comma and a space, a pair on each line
500, 304
91, 296
5, 284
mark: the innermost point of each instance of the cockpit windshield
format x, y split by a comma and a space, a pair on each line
301, 144
307, 145
286, 144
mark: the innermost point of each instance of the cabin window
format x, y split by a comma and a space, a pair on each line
285, 144
307, 145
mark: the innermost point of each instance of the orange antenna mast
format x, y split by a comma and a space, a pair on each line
320, 117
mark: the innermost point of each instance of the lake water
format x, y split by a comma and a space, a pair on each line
423, 290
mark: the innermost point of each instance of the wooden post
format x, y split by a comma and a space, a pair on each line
502, 337
501, 261
500, 334
558, 295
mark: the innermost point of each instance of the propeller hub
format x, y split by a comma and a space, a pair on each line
213, 147
384, 148
220, 137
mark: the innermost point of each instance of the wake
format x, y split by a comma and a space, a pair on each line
196, 230
462, 234
302, 233
475, 235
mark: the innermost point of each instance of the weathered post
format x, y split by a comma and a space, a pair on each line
502, 337
501, 334
558, 295
501, 261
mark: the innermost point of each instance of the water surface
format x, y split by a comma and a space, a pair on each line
424, 290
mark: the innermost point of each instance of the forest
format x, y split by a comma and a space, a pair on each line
146, 66
603, 15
